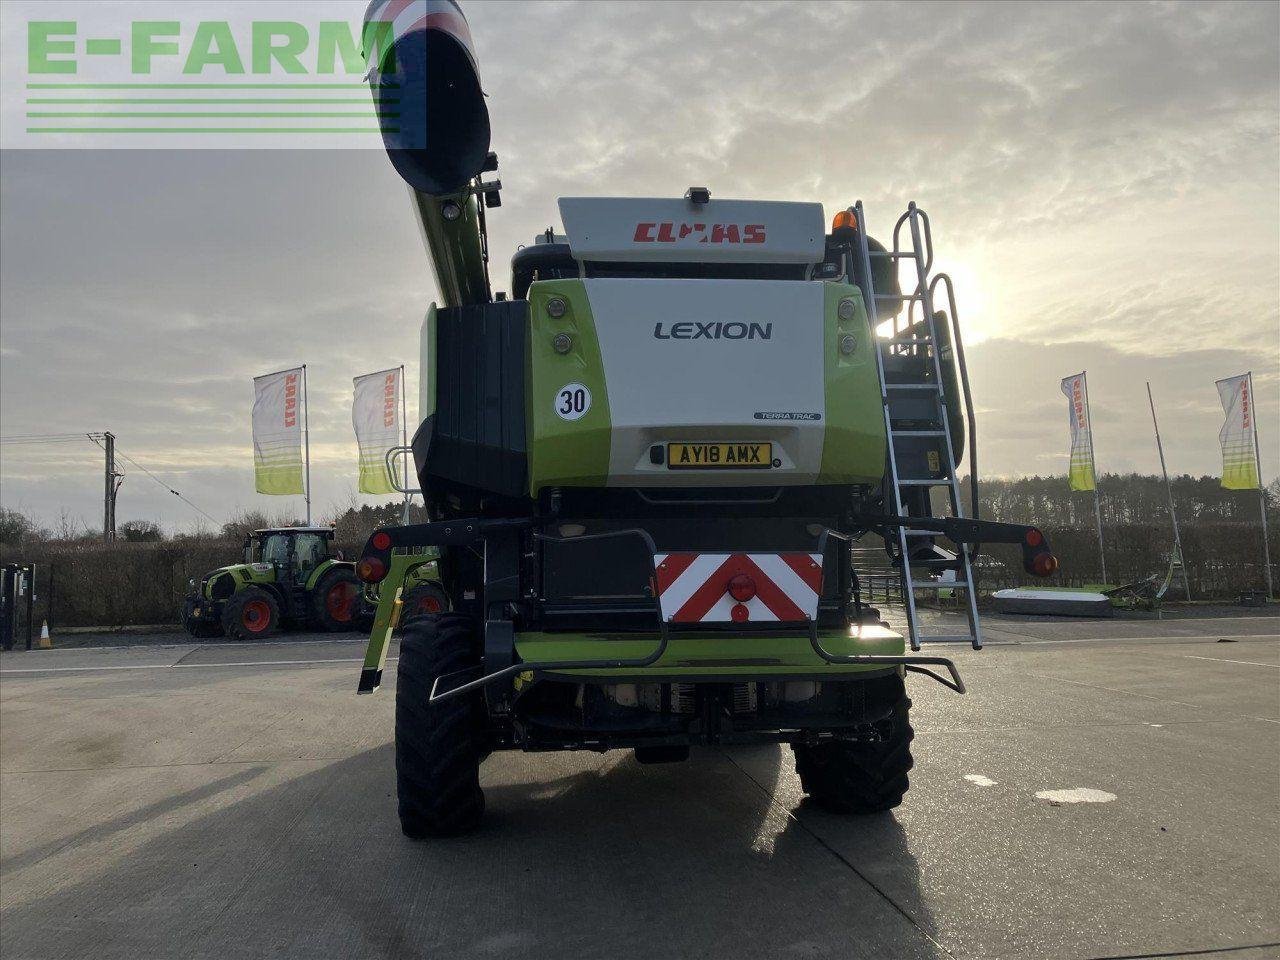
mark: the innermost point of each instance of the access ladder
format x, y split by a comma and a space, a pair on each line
918, 410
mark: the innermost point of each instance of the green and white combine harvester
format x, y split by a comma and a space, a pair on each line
644, 466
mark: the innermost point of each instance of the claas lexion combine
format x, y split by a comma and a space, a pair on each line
645, 465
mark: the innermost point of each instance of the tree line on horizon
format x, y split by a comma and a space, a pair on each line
1125, 499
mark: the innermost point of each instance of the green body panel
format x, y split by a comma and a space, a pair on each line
717, 654
249, 574
454, 247
407, 570
854, 441
563, 453
427, 367
324, 568
244, 574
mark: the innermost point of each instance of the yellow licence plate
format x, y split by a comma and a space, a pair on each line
712, 456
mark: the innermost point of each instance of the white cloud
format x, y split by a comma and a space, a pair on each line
1102, 179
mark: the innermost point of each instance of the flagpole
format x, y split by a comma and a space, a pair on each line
1093, 461
1262, 487
1173, 514
404, 441
306, 441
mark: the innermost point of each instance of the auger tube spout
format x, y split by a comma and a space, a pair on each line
423, 68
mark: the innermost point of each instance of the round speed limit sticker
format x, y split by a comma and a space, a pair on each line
572, 402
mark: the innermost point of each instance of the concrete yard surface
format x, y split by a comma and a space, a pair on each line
1105, 789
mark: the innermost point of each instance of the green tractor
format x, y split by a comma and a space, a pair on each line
290, 576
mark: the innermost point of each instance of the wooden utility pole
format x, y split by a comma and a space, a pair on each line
109, 488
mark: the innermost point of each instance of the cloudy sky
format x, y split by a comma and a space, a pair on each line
1103, 182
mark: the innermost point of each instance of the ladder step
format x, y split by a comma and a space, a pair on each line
945, 638
913, 386
918, 433
924, 533
897, 296
908, 341
936, 585
923, 481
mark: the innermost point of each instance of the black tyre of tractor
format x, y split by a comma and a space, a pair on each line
201, 629
423, 600
844, 776
335, 602
251, 614
438, 746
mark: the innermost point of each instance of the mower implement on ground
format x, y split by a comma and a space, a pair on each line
644, 466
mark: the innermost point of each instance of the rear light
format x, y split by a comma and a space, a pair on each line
1044, 564
1034, 537
381, 540
742, 588
371, 569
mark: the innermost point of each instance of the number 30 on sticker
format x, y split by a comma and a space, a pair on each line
573, 400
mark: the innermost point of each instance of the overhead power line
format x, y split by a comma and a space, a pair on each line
50, 438
125, 456
97, 439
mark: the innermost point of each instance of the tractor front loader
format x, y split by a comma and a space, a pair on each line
644, 465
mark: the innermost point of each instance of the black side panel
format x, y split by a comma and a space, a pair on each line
476, 437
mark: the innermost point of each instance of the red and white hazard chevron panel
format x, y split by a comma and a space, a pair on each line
739, 587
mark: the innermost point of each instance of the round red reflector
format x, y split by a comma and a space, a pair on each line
742, 588
1034, 537
381, 540
1044, 564
371, 570
739, 613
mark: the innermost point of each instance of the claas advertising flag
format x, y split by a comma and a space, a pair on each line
376, 417
277, 432
1238, 436
1080, 475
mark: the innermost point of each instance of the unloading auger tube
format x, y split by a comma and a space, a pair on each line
424, 69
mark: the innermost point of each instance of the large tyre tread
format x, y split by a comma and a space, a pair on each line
437, 746
319, 608
232, 626
860, 777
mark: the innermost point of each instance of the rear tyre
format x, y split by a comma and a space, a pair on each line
860, 777
335, 602
251, 614
438, 746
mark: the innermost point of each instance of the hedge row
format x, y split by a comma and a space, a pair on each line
144, 583
113, 585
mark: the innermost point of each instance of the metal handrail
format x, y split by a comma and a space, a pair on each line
953, 327
390, 459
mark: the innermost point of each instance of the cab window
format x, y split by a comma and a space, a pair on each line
275, 549
311, 552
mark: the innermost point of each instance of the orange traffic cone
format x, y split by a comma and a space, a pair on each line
46, 642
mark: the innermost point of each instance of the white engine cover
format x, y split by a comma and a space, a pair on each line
712, 361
